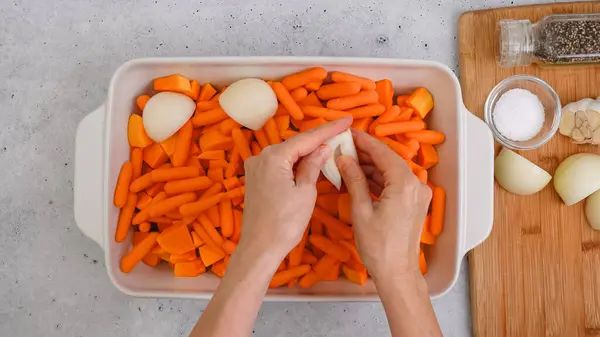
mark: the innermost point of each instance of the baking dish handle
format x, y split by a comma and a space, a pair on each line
88, 175
479, 182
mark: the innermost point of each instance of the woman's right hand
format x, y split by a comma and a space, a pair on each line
387, 231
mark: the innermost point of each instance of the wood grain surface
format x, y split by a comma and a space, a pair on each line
538, 274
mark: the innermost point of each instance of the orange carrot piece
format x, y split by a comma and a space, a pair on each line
422, 263
344, 209
207, 92
155, 189
228, 125
194, 90
217, 164
212, 155
197, 239
438, 208
236, 192
141, 101
311, 124
401, 149
189, 268
282, 122
287, 100
209, 227
329, 247
295, 255
123, 182
216, 97
299, 94
405, 115
358, 277
164, 206
139, 251
325, 187
427, 136
187, 185
220, 267
308, 258
421, 101
174, 83
426, 236
365, 83
207, 238
311, 100
169, 144
285, 276
154, 155
308, 280
137, 162
226, 215
385, 91
215, 140
144, 227
174, 173
237, 226
427, 156
261, 138
329, 202
336, 90
255, 148
362, 124
389, 115
399, 127
182, 144
351, 247
184, 257
231, 183
304, 77
215, 174
241, 143
281, 111
313, 86
176, 240
195, 208
229, 246
206, 105
401, 99
136, 134
143, 200
209, 117
287, 134
324, 266
213, 190
333, 224
272, 132
125, 218
328, 114
234, 163
353, 101
316, 227
366, 111
209, 255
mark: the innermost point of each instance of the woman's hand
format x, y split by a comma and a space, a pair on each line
278, 203
387, 231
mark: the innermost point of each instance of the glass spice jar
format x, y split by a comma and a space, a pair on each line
556, 39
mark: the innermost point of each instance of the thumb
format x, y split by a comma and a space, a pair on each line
356, 183
310, 166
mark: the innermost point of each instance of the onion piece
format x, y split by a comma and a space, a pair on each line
340, 145
250, 102
592, 210
518, 175
165, 113
577, 177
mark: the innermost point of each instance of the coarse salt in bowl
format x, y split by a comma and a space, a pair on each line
547, 97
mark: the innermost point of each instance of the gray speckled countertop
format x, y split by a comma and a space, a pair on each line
56, 60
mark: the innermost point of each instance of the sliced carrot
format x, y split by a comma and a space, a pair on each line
231, 183
125, 218
366, 111
228, 125
272, 132
134, 256
143, 200
141, 101
420, 100
136, 134
282, 122
255, 148
316, 227
438, 208
237, 226
212, 155
207, 92
220, 267
422, 263
189, 268
174, 83
154, 155
329, 247
358, 277
365, 83
194, 90
209, 256
196, 239
261, 137
427, 156
209, 117
183, 257
336, 90
217, 164
427, 136
285, 276
206, 105
353, 101
311, 100
324, 266
401, 99
333, 223
295, 255
329, 202
405, 114
241, 143
122, 187
236, 192
229, 246
362, 124
344, 209
226, 215
385, 91
287, 100
234, 163
401, 149
352, 249
215, 140
182, 144
207, 238
304, 77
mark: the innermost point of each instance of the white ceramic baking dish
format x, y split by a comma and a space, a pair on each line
465, 170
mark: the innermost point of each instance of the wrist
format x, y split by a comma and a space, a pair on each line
255, 254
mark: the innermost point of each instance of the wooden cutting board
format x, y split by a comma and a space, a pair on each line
538, 274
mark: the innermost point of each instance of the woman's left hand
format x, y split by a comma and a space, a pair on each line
278, 203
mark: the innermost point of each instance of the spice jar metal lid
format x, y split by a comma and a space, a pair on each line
516, 43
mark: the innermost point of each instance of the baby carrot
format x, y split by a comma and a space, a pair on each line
226, 215
212, 155
228, 125
187, 185
332, 223
217, 163
385, 91
316, 227
295, 256
422, 263
255, 148
236, 192
141, 101
237, 225
215, 173
206, 105
427, 136
311, 100
288, 275
311, 124
304, 77
325, 187
287, 134
213, 190
207, 238
308, 258
174, 173
389, 115
438, 207
209, 227
401, 99
352, 249
231, 183
370, 110
272, 132
261, 138
353, 101
141, 183
308, 280
281, 111
282, 122
362, 124
299, 94
155, 189
329, 247
313, 86
144, 227
365, 83
125, 217
234, 163
207, 92
398, 127
404, 151
336, 90
241, 143
287, 101
137, 160
143, 200
122, 188
135, 255
170, 204
328, 114
229, 246
182, 144
209, 117
195, 208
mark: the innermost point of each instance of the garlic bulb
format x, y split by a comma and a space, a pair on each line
581, 121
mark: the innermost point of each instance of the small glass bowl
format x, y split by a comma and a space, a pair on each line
549, 99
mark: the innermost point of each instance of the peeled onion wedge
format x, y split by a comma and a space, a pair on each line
577, 177
592, 210
518, 175
250, 102
165, 113
340, 145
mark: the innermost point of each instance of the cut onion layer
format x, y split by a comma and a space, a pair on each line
340, 145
